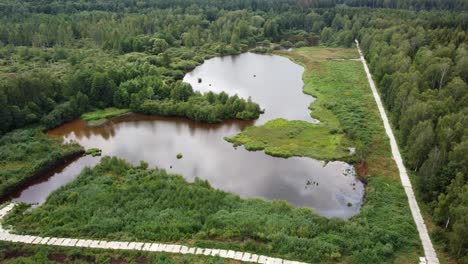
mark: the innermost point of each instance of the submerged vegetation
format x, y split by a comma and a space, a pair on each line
158, 206
24, 153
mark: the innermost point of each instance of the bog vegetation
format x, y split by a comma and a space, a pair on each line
26, 152
60, 59
344, 107
158, 206
283, 138
99, 117
11, 253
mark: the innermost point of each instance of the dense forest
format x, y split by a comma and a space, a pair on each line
59, 59
69, 6
422, 74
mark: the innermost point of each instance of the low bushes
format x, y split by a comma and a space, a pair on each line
120, 201
26, 152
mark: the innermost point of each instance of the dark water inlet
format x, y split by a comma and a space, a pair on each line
331, 189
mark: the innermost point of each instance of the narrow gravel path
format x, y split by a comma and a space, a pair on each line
431, 256
139, 246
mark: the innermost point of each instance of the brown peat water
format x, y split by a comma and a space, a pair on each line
274, 82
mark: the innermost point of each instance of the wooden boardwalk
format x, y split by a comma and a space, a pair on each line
431, 256
5, 235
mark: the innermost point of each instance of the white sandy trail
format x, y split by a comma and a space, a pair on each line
429, 251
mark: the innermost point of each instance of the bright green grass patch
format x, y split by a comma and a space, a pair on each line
283, 138
25, 152
344, 102
343, 98
93, 152
344, 106
99, 117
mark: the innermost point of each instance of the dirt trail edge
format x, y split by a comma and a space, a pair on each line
431, 256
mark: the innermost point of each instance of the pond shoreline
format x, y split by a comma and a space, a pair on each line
26, 182
132, 135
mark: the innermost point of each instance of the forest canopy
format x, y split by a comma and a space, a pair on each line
60, 59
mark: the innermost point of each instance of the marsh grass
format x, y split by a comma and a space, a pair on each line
119, 201
283, 138
93, 152
99, 117
25, 254
26, 152
344, 106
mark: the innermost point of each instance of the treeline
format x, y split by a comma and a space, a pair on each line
38, 98
224, 32
422, 73
409, 4
157, 30
70, 6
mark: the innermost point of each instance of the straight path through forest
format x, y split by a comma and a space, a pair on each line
429, 251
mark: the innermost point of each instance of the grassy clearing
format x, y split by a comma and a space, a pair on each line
99, 117
283, 138
344, 102
343, 105
26, 152
18, 253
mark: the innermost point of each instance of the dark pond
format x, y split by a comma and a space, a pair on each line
274, 82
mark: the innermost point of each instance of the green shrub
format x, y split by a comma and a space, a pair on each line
25, 152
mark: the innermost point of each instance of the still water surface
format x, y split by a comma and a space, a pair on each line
272, 81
